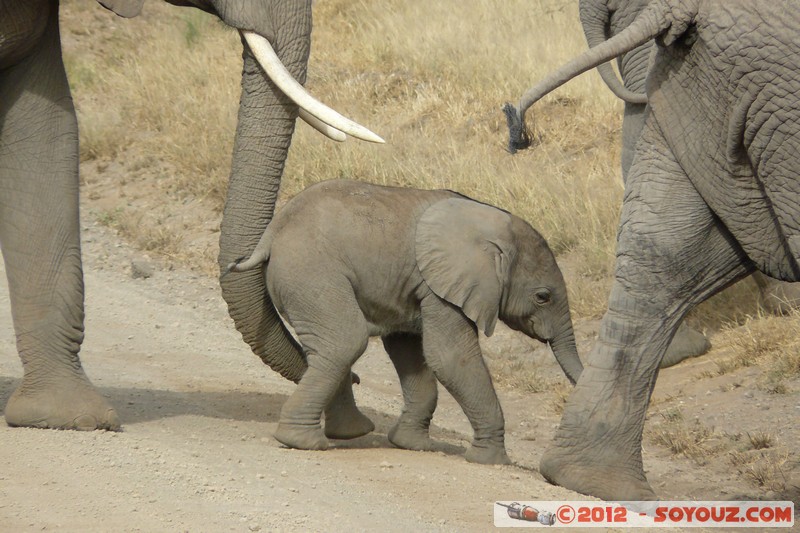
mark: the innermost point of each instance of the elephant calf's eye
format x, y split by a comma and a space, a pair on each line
542, 296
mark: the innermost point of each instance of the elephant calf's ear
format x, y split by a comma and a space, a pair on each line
123, 8
464, 252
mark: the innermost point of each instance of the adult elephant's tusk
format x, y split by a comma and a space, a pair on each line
278, 73
325, 129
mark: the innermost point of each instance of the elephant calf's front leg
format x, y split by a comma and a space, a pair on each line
451, 349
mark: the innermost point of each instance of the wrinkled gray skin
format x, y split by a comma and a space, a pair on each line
713, 194
39, 216
601, 20
424, 270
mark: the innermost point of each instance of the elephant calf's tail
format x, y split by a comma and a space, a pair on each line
260, 255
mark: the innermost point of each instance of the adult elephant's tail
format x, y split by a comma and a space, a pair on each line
655, 20
595, 18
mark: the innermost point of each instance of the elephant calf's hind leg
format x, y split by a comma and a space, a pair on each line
326, 385
343, 420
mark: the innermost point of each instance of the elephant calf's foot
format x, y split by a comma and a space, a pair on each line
410, 437
559, 466
301, 437
347, 426
487, 455
75, 406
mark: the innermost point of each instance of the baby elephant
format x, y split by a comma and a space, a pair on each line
424, 270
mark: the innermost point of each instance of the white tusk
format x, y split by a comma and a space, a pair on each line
272, 65
328, 131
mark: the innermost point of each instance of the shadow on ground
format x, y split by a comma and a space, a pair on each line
136, 405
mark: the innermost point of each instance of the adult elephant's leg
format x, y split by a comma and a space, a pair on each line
632, 125
420, 392
671, 255
686, 342
451, 349
778, 297
333, 332
39, 232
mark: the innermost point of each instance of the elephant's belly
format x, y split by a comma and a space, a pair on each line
379, 330
384, 317
21, 26
389, 305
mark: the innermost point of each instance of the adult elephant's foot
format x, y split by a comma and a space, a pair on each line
69, 404
562, 467
491, 454
686, 343
410, 437
343, 420
302, 437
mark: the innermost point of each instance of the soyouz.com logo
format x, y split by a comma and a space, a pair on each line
650, 514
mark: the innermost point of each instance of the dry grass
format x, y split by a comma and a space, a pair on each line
166, 88
519, 375
561, 392
756, 456
768, 341
150, 238
518, 363
694, 440
761, 440
688, 441
762, 468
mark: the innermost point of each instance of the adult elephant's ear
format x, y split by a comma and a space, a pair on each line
123, 8
464, 251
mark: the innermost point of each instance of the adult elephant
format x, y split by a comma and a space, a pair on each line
601, 20
713, 195
39, 227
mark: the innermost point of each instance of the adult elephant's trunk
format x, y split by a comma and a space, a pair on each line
648, 25
565, 349
595, 16
276, 38
263, 135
